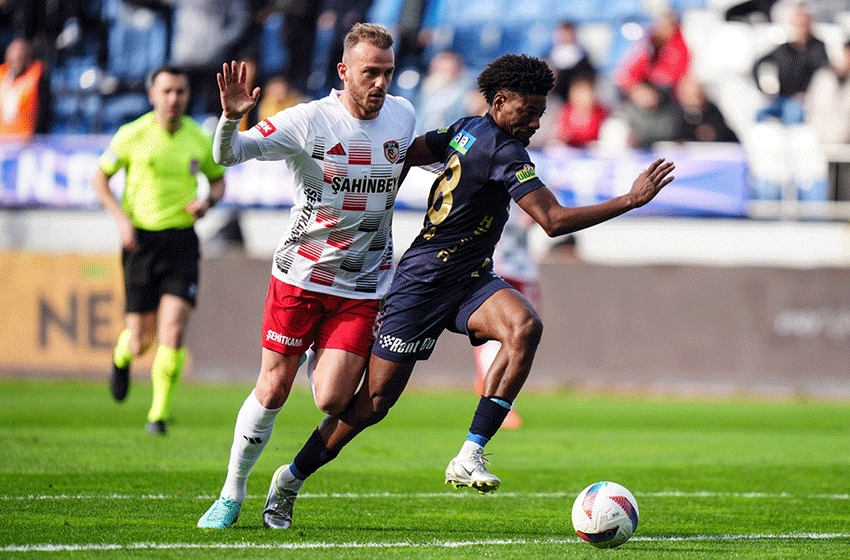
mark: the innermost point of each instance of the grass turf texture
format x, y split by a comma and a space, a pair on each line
81, 479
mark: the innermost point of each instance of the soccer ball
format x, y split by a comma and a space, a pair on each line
605, 514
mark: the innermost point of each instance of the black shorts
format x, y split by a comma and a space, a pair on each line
416, 313
166, 262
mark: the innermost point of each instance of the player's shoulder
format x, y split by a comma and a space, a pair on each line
322, 105
398, 103
480, 130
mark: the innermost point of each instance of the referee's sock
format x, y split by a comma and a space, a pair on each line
121, 355
165, 373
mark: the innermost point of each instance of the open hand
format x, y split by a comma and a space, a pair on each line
236, 101
651, 181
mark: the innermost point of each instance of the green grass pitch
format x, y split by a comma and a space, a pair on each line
79, 477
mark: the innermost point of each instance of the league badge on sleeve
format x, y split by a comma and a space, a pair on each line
265, 127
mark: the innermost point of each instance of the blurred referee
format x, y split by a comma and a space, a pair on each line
162, 152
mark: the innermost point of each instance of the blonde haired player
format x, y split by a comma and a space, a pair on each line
335, 260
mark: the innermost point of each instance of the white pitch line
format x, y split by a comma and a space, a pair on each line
403, 544
430, 495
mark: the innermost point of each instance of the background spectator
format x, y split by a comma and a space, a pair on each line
701, 120
582, 116
662, 59
207, 33
568, 59
278, 94
336, 19
752, 11
414, 35
299, 36
652, 115
827, 105
785, 73
24, 104
443, 93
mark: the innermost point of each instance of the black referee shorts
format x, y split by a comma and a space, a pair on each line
166, 262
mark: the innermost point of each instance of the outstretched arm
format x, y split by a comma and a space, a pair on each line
236, 101
228, 146
555, 219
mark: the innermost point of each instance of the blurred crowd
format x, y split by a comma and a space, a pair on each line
65, 58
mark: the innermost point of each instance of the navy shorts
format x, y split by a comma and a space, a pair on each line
416, 313
166, 262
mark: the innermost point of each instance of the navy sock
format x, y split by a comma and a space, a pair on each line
312, 456
487, 420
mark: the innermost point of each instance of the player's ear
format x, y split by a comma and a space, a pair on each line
499, 101
341, 70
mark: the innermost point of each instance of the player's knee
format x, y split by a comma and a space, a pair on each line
380, 408
525, 333
331, 405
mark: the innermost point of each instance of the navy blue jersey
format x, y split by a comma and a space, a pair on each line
484, 167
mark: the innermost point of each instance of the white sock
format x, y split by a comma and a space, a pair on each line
254, 425
286, 477
469, 447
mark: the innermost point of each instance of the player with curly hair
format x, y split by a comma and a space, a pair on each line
445, 279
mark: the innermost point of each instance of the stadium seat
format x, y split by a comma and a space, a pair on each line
466, 12
579, 11
683, 6
384, 12
597, 39
478, 44
613, 136
76, 113
527, 11
138, 41
624, 37
623, 10
122, 108
273, 55
534, 39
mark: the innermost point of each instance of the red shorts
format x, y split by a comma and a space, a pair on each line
294, 319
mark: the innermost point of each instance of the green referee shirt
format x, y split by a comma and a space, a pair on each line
161, 170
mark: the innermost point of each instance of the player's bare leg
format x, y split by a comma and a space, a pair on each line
509, 318
334, 379
484, 356
381, 388
254, 426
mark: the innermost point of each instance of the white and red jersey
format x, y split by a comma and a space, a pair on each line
346, 172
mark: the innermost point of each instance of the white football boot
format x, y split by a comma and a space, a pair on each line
277, 514
472, 471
